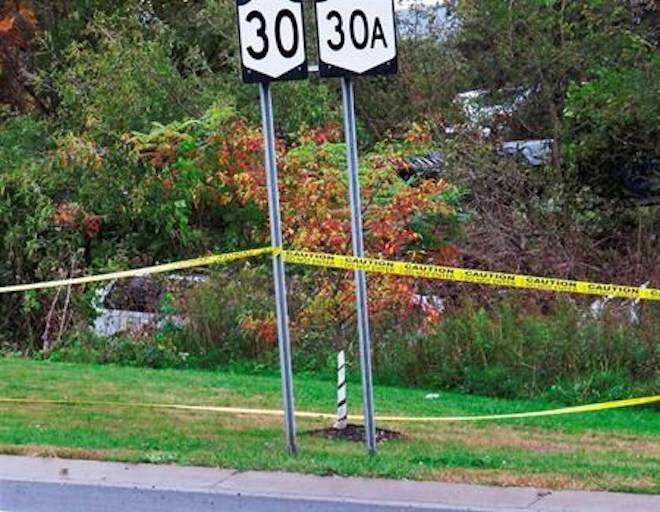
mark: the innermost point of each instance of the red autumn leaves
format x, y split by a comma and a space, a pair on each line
315, 216
74, 217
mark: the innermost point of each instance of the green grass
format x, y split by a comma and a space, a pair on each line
614, 450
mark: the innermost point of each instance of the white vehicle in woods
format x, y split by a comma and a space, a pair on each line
487, 111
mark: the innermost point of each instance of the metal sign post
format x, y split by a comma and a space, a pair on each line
272, 41
353, 40
357, 38
286, 370
358, 252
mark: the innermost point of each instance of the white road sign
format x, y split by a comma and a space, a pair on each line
272, 40
356, 37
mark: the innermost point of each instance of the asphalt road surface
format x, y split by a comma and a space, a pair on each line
49, 497
55, 485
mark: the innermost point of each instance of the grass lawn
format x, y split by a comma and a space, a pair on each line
613, 450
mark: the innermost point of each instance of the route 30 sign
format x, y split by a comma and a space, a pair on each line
272, 40
356, 37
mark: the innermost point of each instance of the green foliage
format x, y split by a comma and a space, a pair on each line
512, 353
612, 126
544, 47
69, 205
66, 21
33, 247
508, 353
23, 140
121, 79
206, 27
214, 334
158, 351
309, 104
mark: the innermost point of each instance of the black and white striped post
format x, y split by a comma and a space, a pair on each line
342, 405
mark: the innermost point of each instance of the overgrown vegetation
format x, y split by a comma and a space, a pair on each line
127, 139
508, 352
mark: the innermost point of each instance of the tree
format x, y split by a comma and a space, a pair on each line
401, 222
431, 73
18, 27
550, 47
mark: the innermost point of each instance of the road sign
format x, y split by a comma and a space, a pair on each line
272, 40
356, 38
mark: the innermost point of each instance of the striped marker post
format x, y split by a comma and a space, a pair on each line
342, 409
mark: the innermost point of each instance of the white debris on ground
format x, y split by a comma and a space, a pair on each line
110, 322
535, 152
631, 309
430, 304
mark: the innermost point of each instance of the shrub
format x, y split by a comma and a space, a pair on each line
157, 351
121, 78
611, 128
530, 220
512, 353
401, 221
565, 356
69, 205
230, 318
34, 246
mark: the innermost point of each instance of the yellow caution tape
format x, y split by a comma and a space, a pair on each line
616, 404
157, 269
401, 268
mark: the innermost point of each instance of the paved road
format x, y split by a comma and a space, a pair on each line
54, 485
41, 497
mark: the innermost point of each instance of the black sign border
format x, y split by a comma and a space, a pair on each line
390, 67
250, 76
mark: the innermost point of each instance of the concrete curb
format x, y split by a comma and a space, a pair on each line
31, 484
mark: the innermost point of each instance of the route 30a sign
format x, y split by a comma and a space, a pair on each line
356, 37
272, 40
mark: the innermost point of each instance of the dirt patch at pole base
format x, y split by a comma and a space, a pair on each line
355, 433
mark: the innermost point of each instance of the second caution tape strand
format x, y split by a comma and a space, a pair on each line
241, 411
